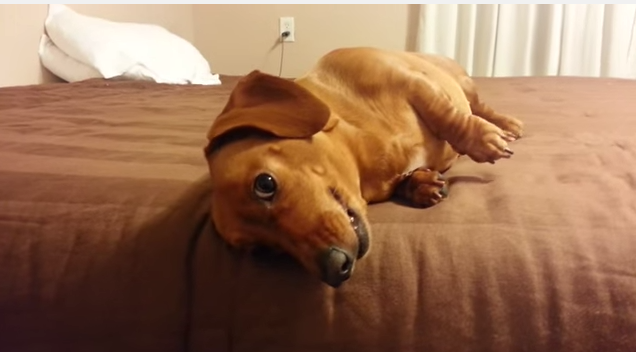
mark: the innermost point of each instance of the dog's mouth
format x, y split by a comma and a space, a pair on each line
357, 224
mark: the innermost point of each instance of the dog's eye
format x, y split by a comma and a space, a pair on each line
264, 186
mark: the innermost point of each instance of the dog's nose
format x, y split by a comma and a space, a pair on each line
336, 265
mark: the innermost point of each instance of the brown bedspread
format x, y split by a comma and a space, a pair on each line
103, 186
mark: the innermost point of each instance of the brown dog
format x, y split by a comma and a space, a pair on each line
295, 163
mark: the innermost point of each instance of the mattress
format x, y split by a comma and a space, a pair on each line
106, 243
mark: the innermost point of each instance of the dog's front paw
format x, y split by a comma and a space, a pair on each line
423, 188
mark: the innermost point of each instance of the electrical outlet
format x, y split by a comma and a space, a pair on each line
287, 24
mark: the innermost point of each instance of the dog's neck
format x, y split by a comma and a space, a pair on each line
358, 145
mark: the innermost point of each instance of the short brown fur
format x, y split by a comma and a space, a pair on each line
363, 125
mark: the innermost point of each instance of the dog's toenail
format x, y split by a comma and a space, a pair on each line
444, 192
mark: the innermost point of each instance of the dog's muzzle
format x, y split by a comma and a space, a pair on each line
361, 231
336, 266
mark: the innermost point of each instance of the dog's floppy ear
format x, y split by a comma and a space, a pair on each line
273, 105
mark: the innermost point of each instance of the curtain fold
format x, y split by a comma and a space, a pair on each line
533, 40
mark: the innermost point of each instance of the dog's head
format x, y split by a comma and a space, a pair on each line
281, 182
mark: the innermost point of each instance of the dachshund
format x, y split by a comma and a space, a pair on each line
295, 163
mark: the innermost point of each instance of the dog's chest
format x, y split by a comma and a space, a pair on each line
416, 160
397, 160
411, 145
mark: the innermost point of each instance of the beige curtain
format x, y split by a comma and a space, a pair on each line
533, 40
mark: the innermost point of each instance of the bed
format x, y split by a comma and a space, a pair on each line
106, 245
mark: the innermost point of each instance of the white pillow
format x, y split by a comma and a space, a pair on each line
62, 65
133, 50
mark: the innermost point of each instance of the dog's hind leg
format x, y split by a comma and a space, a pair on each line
507, 123
452, 121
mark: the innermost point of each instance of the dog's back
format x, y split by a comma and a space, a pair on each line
371, 73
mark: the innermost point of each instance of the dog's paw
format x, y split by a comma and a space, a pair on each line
424, 188
489, 144
512, 127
